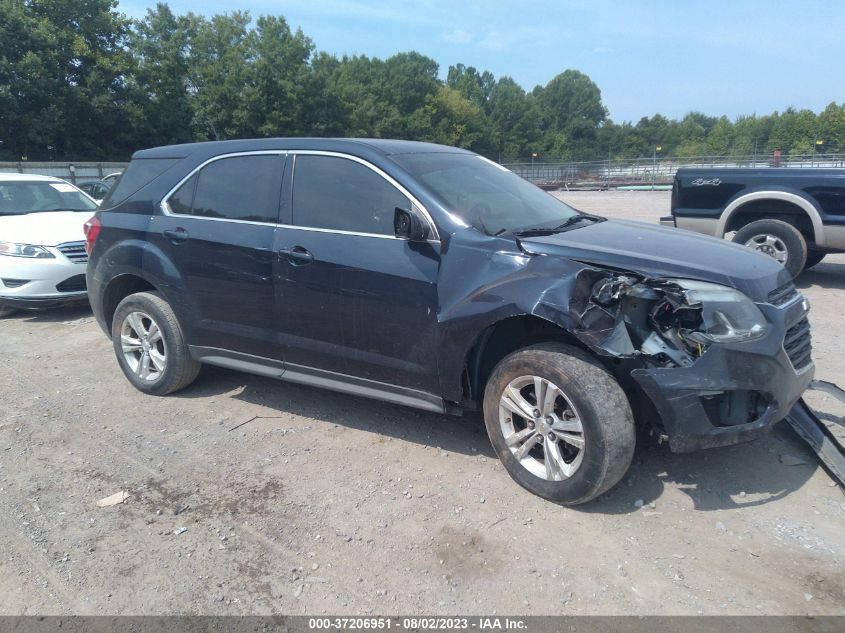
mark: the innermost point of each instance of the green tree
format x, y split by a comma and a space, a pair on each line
449, 118
570, 110
471, 84
720, 139
160, 44
276, 78
218, 63
62, 80
514, 121
831, 127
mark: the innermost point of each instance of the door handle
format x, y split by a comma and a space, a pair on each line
297, 255
177, 236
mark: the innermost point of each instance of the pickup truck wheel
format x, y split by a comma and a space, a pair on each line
776, 239
813, 258
559, 422
150, 346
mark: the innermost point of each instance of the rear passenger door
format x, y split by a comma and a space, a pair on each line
218, 230
353, 299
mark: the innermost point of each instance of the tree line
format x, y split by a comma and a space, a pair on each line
81, 81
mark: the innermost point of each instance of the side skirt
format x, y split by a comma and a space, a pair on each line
342, 383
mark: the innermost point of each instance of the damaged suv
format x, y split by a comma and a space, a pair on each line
432, 277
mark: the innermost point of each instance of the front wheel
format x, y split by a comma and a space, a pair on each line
150, 346
778, 240
559, 422
6, 311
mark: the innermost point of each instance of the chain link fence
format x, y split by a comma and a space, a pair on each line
653, 171
601, 174
72, 172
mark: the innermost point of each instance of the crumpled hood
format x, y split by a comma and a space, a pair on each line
44, 229
656, 251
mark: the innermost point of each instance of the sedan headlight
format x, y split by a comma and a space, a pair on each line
727, 315
25, 250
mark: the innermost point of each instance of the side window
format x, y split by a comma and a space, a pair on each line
236, 188
336, 193
141, 172
183, 198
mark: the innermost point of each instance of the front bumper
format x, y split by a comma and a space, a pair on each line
734, 392
39, 303
42, 283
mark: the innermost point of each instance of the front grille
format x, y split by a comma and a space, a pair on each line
798, 345
74, 251
14, 283
783, 294
72, 284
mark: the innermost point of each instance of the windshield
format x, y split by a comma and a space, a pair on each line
22, 197
484, 194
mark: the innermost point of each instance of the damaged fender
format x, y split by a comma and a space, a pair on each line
711, 360
611, 312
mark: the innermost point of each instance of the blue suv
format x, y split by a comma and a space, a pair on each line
432, 277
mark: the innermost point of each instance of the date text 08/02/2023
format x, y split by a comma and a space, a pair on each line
417, 623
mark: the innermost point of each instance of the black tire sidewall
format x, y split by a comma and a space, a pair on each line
814, 258
796, 245
172, 346
592, 477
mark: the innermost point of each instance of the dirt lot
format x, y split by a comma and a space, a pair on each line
297, 500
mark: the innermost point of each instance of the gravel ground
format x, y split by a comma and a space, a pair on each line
252, 496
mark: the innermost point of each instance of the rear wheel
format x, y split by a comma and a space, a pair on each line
6, 311
150, 346
778, 240
560, 423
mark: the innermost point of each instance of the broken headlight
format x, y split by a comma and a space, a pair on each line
727, 315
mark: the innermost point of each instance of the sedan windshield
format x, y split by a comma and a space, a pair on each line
23, 197
484, 194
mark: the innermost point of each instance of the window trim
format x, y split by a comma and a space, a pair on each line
414, 201
165, 207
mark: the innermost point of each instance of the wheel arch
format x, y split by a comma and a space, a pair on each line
745, 203
504, 337
120, 287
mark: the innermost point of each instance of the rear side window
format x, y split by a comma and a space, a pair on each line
140, 172
183, 198
341, 194
237, 188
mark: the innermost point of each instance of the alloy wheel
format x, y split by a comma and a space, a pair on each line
143, 347
542, 428
771, 245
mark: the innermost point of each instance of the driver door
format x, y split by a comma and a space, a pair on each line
353, 299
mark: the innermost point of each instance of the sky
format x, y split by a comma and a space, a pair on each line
668, 57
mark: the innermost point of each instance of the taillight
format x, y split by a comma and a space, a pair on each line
92, 231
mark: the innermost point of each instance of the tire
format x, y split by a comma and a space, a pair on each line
777, 239
600, 408
6, 311
813, 258
169, 366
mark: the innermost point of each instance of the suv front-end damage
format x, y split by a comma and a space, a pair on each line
718, 367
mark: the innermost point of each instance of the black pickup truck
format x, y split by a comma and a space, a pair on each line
795, 215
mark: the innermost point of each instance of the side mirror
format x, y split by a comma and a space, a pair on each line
407, 225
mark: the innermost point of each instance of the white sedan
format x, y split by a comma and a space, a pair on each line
42, 244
